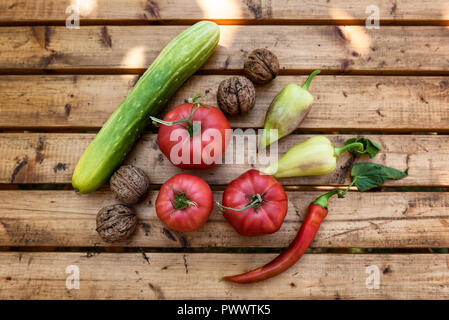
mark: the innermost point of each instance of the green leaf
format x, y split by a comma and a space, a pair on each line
369, 147
395, 173
371, 175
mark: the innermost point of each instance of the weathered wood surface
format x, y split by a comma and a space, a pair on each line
373, 103
373, 220
305, 35
52, 157
235, 10
331, 48
159, 275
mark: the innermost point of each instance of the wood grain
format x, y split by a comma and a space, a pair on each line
306, 35
260, 10
133, 48
52, 157
370, 103
195, 276
372, 220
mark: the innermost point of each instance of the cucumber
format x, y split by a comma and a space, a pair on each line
177, 61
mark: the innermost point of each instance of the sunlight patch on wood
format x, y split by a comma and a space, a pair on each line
356, 36
134, 58
221, 9
86, 7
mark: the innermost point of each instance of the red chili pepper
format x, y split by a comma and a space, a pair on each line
315, 215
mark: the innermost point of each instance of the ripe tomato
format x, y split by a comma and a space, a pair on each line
255, 204
184, 202
193, 135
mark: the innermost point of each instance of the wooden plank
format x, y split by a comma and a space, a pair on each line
371, 220
342, 102
300, 48
177, 275
52, 157
261, 10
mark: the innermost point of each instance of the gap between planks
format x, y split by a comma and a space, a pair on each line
90, 251
229, 22
224, 72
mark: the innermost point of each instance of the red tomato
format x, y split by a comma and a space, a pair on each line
185, 145
184, 202
265, 199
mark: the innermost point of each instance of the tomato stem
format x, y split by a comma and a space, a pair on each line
255, 201
181, 201
188, 120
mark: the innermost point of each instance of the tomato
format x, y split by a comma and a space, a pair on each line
184, 202
263, 197
193, 135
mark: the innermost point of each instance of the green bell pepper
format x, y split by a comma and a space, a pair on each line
314, 156
287, 111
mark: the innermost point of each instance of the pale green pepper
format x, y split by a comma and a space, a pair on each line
316, 156
287, 111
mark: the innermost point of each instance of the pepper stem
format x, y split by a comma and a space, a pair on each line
341, 194
255, 202
323, 200
340, 150
309, 79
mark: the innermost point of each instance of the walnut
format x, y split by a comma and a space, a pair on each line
129, 184
236, 95
261, 66
116, 222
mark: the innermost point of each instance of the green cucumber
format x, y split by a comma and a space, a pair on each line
177, 61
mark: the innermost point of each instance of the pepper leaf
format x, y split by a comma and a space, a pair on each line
395, 173
369, 147
371, 175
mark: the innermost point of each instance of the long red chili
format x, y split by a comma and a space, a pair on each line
315, 215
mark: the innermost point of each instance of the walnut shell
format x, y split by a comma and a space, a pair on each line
129, 184
261, 66
116, 222
236, 95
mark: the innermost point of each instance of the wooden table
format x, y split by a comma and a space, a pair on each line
58, 86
